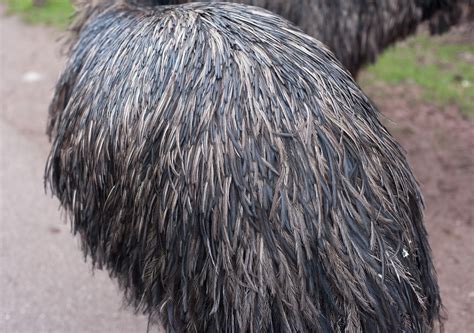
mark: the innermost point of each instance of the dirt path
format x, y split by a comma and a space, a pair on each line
440, 147
45, 285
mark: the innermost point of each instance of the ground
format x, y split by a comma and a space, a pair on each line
47, 287
439, 141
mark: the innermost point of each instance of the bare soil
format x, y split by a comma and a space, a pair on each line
439, 143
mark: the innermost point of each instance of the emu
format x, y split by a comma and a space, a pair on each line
226, 169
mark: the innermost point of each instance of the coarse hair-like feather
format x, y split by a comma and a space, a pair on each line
355, 30
231, 175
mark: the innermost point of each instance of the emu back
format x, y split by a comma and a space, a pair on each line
355, 30
232, 176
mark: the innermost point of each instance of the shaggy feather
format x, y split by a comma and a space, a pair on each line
355, 30
227, 170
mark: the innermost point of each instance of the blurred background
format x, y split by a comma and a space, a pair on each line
424, 87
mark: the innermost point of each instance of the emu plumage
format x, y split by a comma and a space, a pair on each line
231, 175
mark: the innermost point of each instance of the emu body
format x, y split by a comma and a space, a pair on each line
231, 175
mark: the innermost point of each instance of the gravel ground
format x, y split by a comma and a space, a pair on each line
47, 287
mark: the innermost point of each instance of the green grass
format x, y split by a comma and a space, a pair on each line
443, 70
52, 12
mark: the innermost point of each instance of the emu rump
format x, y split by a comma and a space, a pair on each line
231, 175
